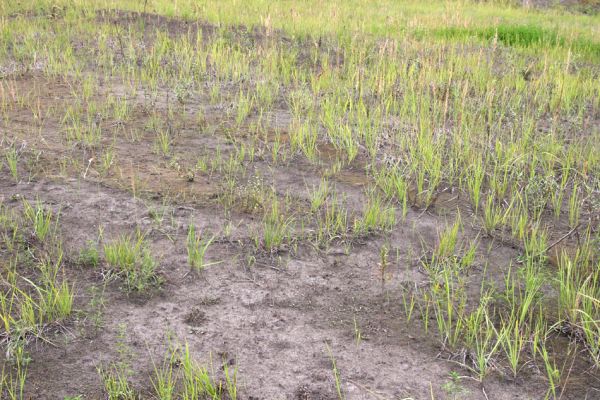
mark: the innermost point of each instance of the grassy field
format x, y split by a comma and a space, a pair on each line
299, 200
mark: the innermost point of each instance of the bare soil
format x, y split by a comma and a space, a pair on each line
272, 316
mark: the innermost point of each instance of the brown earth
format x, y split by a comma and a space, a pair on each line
272, 316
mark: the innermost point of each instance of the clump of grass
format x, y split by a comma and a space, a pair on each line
116, 383
179, 376
162, 143
552, 372
165, 377
197, 245
116, 375
377, 215
197, 381
450, 250
40, 219
578, 284
56, 298
88, 255
28, 310
453, 387
494, 215
130, 259
12, 158
12, 384
332, 221
449, 301
36, 296
304, 138
276, 229
319, 195
230, 381
394, 185
244, 107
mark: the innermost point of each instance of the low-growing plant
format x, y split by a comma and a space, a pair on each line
197, 381
162, 142
332, 222
377, 215
318, 196
129, 258
552, 372
276, 229
12, 384
230, 381
39, 217
197, 245
165, 377
12, 158
336, 374
116, 383
394, 185
88, 255
453, 387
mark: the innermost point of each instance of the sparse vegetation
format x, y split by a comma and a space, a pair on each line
196, 248
428, 167
130, 259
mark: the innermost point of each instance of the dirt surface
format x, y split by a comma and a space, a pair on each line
278, 318
274, 320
